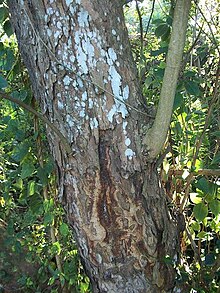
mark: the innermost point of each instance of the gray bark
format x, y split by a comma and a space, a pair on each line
156, 138
80, 64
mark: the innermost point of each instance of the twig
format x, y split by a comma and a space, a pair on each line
151, 15
205, 172
46, 195
190, 49
141, 27
200, 140
210, 28
40, 116
187, 190
193, 245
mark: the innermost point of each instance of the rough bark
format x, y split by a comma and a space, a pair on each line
80, 64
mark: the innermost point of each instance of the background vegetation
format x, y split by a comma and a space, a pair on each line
37, 248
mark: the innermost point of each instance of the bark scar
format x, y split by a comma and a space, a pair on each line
106, 200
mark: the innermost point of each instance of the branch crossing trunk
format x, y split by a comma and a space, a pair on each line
110, 191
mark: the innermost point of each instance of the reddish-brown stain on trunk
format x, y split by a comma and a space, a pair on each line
112, 197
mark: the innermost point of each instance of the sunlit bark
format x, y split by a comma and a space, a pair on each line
80, 64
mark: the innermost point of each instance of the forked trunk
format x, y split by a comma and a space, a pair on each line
79, 60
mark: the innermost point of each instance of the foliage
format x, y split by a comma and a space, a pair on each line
190, 169
38, 251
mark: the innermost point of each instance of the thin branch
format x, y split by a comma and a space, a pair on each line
206, 34
156, 136
193, 245
141, 27
40, 116
46, 196
205, 172
151, 15
200, 139
187, 190
214, 98
210, 28
187, 54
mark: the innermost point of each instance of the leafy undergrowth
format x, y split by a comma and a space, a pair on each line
37, 249
190, 162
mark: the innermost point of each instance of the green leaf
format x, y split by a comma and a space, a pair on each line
84, 287
195, 198
202, 235
51, 281
3, 83
158, 21
29, 218
168, 260
216, 159
17, 247
21, 95
215, 207
49, 167
163, 31
36, 205
48, 219
198, 164
195, 226
20, 135
31, 187
2, 52
19, 183
148, 81
42, 175
48, 205
200, 211
159, 51
207, 187
27, 169
159, 73
8, 28
64, 229
10, 226
62, 280
216, 133
192, 88
10, 59
178, 101
210, 259
169, 20
190, 73
165, 36
20, 152
3, 13
209, 197
56, 248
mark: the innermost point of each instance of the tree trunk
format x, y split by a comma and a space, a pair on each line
80, 64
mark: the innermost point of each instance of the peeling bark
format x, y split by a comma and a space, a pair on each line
82, 72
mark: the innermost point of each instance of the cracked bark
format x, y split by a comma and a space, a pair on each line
80, 65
